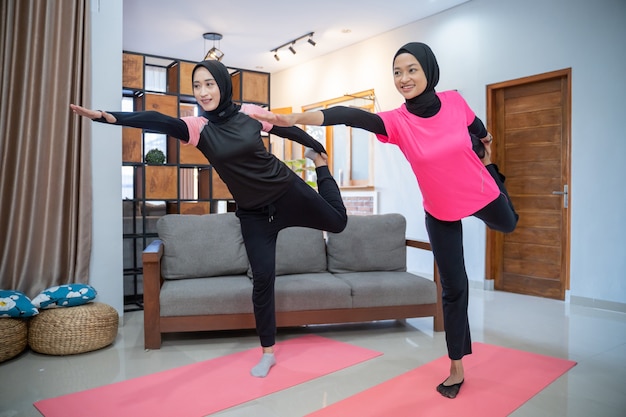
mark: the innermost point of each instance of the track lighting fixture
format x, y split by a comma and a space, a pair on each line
214, 53
290, 45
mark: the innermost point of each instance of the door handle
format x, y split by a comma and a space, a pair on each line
565, 194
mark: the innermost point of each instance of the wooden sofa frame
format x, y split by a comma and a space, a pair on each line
155, 325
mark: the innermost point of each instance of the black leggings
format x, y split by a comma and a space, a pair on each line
300, 206
446, 239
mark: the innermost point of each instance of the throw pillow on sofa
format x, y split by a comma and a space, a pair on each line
218, 236
67, 295
299, 250
369, 243
16, 304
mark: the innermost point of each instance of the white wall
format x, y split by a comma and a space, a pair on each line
478, 43
487, 41
106, 270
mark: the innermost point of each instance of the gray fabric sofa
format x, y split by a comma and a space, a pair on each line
197, 278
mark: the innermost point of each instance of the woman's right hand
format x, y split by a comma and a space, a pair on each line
313, 118
284, 120
92, 114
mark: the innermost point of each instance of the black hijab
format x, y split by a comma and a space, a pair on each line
426, 104
226, 108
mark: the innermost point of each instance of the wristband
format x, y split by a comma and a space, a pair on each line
101, 119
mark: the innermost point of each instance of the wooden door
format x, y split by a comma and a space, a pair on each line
530, 121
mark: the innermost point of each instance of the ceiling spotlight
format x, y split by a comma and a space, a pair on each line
292, 43
214, 53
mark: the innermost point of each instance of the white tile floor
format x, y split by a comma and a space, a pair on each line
595, 387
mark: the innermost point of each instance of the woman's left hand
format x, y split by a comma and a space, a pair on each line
92, 114
486, 160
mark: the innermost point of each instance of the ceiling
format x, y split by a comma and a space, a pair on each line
251, 29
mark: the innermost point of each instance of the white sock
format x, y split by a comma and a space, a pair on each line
311, 154
263, 367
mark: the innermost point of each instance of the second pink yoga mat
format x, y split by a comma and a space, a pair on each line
498, 381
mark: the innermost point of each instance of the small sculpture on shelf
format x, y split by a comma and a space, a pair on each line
155, 157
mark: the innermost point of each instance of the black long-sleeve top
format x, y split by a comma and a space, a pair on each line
235, 149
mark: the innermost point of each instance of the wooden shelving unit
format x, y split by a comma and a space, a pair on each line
186, 183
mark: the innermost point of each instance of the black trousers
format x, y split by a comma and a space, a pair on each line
300, 206
446, 239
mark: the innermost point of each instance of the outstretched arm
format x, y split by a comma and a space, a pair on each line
298, 135
95, 115
354, 117
337, 115
150, 120
284, 128
313, 118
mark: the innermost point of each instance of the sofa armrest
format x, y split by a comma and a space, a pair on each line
152, 282
421, 244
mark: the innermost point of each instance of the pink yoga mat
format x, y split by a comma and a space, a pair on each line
206, 387
497, 381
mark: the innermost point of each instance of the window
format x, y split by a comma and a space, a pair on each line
350, 150
128, 190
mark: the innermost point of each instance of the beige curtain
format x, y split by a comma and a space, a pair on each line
45, 172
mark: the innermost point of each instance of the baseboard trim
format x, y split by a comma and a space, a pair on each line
486, 285
600, 304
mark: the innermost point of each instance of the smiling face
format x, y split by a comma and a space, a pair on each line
205, 89
408, 76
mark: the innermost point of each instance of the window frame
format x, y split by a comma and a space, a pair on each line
347, 181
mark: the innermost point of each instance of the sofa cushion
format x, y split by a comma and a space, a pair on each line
311, 292
215, 295
299, 250
382, 289
205, 245
369, 243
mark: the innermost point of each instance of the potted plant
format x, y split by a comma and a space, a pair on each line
155, 157
300, 167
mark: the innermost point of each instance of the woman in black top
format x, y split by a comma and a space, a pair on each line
269, 195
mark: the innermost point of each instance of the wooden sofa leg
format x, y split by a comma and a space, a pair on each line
152, 281
152, 339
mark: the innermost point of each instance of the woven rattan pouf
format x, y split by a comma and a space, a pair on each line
71, 330
13, 337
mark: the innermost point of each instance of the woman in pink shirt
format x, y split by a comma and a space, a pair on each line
439, 136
